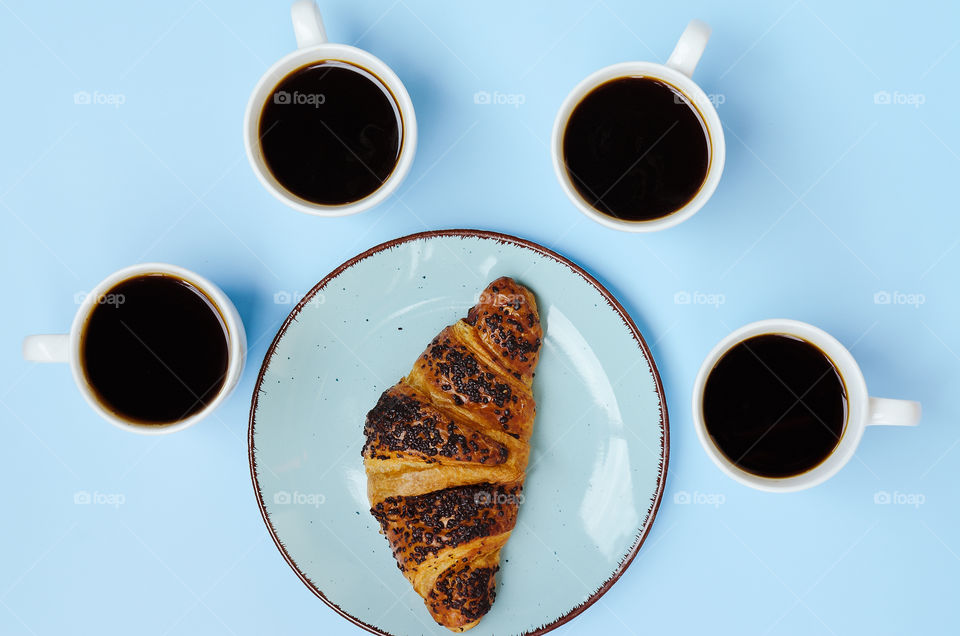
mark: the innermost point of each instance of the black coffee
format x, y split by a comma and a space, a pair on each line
775, 405
154, 349
636, 149
331, 133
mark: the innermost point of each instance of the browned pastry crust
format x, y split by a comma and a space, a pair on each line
447, 451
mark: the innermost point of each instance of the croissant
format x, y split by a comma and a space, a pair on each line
446, 453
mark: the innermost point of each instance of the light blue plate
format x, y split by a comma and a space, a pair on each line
600, 442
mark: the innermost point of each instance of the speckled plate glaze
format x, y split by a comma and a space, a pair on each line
600, 442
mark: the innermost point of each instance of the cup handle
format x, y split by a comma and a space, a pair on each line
689, 47
307, 24
47, 348
885, 412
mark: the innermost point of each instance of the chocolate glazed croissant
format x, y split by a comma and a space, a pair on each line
447, 450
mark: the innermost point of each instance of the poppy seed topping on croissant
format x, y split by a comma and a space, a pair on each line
446, 453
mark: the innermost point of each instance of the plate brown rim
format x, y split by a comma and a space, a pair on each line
500, 238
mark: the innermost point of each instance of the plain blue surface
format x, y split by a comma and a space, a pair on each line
828, 198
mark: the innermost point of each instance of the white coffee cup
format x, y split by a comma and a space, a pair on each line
67, 347
862, 410
313, 47
676, 72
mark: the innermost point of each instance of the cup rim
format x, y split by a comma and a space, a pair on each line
702, 104
857, 404
342, 53
236, 345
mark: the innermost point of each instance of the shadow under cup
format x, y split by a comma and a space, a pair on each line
636, 148
331, 132
154, 350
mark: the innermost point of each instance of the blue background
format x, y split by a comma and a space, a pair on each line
828, 199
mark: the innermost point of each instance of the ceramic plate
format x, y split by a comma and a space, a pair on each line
599, 447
